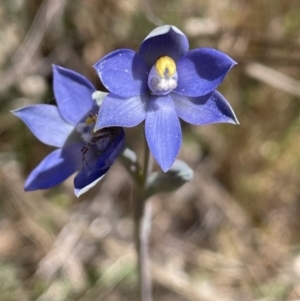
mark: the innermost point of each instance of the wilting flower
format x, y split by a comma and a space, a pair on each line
69, 126
158, 84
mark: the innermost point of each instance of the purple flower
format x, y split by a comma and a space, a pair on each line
161, 83
69, 126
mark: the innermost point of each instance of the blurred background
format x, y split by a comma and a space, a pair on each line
233, 233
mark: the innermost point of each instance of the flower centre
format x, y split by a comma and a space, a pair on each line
163, 76
98, 140
86, 128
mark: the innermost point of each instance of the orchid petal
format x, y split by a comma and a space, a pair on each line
164, 40
55, 168
45, 123
96, 165
123, 72
73, 94
211, 108
117, 111
163, 131
98, 176
201, 71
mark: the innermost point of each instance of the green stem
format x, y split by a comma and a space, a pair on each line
142, 227
147, 166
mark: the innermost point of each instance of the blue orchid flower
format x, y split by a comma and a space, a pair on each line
69, 127
161, 83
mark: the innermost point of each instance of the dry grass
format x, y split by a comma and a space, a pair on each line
231, 234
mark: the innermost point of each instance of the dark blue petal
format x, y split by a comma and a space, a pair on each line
201, 71
165, 40
118, 111
97, 175
73, 94
123, 72
211, 108
96, 165
55, 168
163, 131
45, 123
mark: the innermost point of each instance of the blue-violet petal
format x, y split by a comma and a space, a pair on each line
55, 168
45, 123
211, 108
118, 111
73, 94
163, 131
96, 165
98, 175
123, 72
165, 40
201, 71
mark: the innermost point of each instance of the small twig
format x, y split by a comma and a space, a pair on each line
150, 15
49, 11
273, 78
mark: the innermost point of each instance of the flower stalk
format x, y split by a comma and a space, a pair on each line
142, 226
